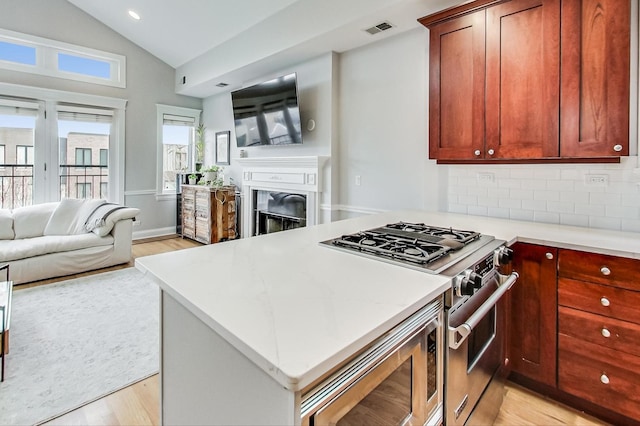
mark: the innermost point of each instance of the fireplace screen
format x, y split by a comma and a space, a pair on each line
279, 211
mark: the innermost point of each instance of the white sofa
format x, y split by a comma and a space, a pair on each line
62, 238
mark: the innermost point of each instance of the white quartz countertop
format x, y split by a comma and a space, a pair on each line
297, 308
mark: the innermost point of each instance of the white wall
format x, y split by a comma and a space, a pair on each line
149, 81
383, 127
315, 91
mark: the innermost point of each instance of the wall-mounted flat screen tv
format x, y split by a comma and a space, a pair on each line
267, 113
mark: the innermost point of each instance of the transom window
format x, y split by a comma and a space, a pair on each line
37, 55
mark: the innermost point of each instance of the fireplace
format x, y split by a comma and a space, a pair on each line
280, 193
279, 211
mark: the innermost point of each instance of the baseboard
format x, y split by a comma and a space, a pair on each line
151, 233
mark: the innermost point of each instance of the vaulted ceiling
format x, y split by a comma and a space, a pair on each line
212, 41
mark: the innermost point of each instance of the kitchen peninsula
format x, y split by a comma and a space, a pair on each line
246, 325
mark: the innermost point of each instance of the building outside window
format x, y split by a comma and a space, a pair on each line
104, 157
24, 155
83, 156
83, 190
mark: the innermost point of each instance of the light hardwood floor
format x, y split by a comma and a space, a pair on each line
139, 404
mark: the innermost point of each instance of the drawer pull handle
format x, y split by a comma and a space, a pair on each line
605, 270
604, 379
549, 256
605, 301
476, 152
606, 333
617, 148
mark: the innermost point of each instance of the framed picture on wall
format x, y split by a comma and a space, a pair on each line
222, 147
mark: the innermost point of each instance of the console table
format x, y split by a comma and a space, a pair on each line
209, 213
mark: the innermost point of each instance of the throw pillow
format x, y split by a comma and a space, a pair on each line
6, 225
64, 217
30, 221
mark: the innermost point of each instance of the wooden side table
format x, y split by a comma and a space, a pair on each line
6, 292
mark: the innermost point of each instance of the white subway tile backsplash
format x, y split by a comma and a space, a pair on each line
545, 195
510, 203
574, 219
550, 193
519, 214
605, 198
534, 205
546, 217
478, 210
534, 184
521, 194
590, 210
560, 207
498, 212
575, 197
457, 208
622, 212
605, 223
630, 225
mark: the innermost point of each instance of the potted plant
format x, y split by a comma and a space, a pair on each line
193, 179
210, 173
199, 146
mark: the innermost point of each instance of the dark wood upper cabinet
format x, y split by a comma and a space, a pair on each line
456, 79
595, 78
522, 99
529, 80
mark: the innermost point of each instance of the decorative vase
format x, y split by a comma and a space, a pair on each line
210, 176
192, 181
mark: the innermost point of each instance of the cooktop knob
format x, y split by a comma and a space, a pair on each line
466, 287
505, 255
475, 279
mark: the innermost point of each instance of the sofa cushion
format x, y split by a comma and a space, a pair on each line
103, 219
6, 225
70, 216
30, 221
30, 247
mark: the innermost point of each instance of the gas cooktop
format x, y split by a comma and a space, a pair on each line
415, 245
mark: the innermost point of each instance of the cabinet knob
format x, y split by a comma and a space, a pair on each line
549, 256
605, 301
605, 270
617, 148
604, 379
606, 332
491, 152
476, 152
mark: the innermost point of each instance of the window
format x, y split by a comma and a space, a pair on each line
83, 190
104, 190
18, 53
3, 158
24, 155
37, 55
176, 143
104, 157
83, 156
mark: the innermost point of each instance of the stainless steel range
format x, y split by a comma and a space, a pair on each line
473, 315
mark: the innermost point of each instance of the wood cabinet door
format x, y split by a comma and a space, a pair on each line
523, 70
595, 78
533, 316
456, 88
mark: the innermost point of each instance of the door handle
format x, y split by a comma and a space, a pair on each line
459, 334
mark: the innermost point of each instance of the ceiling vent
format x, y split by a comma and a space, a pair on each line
383, 26
222, 84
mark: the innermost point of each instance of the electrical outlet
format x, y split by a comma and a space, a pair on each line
596, 180
486, 177
358, 180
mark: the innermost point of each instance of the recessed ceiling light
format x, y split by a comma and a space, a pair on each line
134, 15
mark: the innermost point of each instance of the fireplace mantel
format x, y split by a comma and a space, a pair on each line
296, 175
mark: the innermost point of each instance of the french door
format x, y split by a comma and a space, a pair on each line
52, 150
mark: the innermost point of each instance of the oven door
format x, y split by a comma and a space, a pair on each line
400, 386
475, 349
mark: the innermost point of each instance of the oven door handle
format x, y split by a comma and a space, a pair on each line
459, 334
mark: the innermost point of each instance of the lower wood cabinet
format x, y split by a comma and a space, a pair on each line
532, 346
575, 329
208, 213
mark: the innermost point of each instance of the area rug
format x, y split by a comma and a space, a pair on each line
78, 340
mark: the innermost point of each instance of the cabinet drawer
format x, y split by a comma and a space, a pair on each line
599, 268
583, 369
600, 299
611, 333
